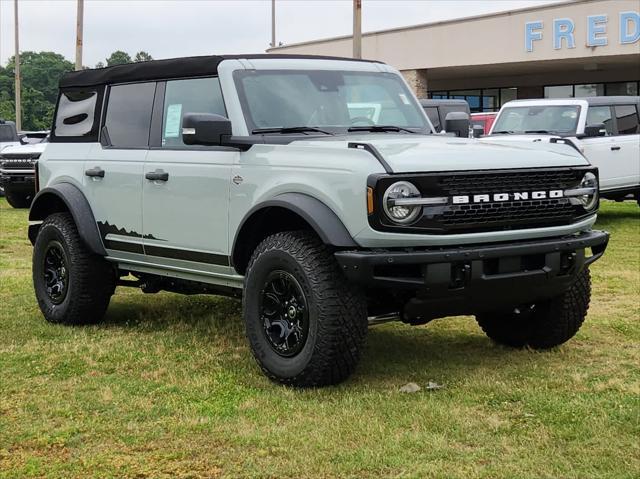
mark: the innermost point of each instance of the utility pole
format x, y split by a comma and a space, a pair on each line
17, 68
273, 23
79, 28
357, 28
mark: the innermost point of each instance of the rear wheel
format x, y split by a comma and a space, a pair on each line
545, 324
305, 323
18, 199
72, 285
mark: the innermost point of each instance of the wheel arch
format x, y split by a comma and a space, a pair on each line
66, 197
287, 211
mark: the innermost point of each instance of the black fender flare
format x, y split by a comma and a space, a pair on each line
318, 215
47, 201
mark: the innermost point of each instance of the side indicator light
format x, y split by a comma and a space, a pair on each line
369, 200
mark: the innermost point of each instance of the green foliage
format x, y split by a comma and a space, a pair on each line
118, 58
40, 73
142, 56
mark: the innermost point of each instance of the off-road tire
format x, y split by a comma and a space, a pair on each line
18, 199
337, 311
91, 279
548, 324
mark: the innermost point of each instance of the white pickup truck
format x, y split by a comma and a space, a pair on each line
605, 129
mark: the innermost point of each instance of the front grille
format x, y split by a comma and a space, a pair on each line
18, 161
492, 215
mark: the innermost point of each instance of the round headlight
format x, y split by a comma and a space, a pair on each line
400, 213
589, 181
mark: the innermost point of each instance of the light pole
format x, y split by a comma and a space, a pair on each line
17, 68
357, 28
79, 28
273, 23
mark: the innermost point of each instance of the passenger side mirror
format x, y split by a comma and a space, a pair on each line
205, 129
457, 122
597, 129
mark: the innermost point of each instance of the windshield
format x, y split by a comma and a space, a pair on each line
7, 133
552, 119
327, 101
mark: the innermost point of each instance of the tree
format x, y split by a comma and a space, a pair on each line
118, 58
99, 65
41, 72
142, 56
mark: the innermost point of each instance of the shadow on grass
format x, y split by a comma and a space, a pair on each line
392, 351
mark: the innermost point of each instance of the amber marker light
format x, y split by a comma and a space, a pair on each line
369, 200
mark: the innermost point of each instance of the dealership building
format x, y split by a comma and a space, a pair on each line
570, 49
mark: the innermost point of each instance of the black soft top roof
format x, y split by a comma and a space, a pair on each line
164, 69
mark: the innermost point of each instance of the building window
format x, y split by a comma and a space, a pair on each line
621, 88
508, 94
481, 100
592, 89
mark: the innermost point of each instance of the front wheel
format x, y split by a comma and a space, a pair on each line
18, 199
72, 285
545, 324
305, 323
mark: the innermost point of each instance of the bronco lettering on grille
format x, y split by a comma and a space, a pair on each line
499, 197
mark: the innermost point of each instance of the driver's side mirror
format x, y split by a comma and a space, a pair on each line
457, 122
205, 129
597, 129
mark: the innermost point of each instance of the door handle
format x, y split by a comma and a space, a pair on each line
158, 175
615, 148
96, 172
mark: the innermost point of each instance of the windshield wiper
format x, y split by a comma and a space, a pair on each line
376, 128
537, 131
502, 132
290, 129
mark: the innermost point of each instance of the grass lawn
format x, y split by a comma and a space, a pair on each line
167, 387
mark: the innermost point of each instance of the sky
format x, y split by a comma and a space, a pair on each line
175, 28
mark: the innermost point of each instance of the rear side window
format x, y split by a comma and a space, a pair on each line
600, 114
627, 119
128, 118
77, 115
196, 95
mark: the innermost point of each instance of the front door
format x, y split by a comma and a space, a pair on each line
113, 170
185, 199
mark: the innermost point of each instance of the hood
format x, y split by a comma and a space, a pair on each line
24, 149
416, 153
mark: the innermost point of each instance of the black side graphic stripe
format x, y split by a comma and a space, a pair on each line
186, 255
123, 246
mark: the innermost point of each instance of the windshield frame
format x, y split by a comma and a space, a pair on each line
238, 76
569, 133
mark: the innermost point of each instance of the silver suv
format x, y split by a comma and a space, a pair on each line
314, 189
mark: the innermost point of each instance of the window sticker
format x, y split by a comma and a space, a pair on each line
404, 99
172, 123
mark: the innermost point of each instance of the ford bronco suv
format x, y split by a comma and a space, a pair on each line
313, 188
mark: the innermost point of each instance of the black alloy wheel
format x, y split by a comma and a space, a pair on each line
284, 313
56, 272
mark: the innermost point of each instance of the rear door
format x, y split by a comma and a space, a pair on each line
626, 148
113, 169
185, 212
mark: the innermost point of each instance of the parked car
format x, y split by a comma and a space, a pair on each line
8, 134
437, 111
17, 172
250, 176
484, 120
605, 128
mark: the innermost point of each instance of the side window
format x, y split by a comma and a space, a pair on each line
627, 119
600, 114
128, 119
197, 95
432, 113
76, 114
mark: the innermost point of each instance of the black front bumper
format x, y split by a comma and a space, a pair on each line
471, 279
